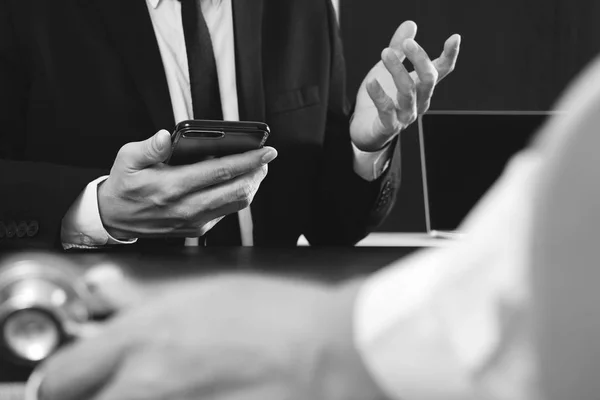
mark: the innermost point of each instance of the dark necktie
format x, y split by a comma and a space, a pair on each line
204, 82
206, 99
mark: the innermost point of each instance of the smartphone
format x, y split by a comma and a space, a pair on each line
198, 140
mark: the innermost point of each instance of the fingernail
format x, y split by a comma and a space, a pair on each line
458, 40
269, 156
410, 45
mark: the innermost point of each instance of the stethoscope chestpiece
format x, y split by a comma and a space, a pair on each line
43, 304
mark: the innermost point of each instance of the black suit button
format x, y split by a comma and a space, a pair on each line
384, 200
386, 190
33, 228
2, 230
11, 230
21, 229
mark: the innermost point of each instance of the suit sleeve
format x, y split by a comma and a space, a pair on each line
347, 208
34, 196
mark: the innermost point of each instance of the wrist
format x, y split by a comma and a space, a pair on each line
373, 145
105, 215
341, 368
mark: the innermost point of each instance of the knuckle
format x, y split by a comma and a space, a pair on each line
408, 88
430, 77
130, 189
409, 101
244, 195
388, 105
222, 173
412, 86
125, 151
159, 200
425, 93
408, 116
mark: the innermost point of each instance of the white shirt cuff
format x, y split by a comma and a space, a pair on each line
371, 165
82, 226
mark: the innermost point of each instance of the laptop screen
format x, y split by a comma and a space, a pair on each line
462, 155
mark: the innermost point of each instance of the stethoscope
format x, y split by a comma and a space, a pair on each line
44, 304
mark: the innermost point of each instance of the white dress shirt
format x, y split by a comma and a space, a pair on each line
82, 226
444, 324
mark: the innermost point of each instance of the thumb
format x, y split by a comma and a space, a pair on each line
140, 155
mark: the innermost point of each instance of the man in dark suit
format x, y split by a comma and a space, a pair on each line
83, 81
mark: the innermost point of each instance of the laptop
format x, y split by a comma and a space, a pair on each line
462, 154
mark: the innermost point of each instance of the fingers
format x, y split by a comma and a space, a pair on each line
197, 209
386, 108
78, 371
139, 155
407, 30
426, 71
429, 72
405, 85
195, 177
237, 193
447, 61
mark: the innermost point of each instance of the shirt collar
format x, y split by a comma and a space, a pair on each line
156, 3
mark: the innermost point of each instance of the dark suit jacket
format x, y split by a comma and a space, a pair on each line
80, 78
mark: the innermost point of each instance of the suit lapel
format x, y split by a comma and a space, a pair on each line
247, 19
130, 27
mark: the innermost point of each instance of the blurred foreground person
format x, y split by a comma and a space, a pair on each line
509, 312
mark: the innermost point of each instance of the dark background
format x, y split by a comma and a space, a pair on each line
515, 55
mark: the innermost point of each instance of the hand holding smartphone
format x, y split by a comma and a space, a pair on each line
208, 184
198, 140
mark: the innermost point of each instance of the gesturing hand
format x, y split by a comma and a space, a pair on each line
390, 98
143, 197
